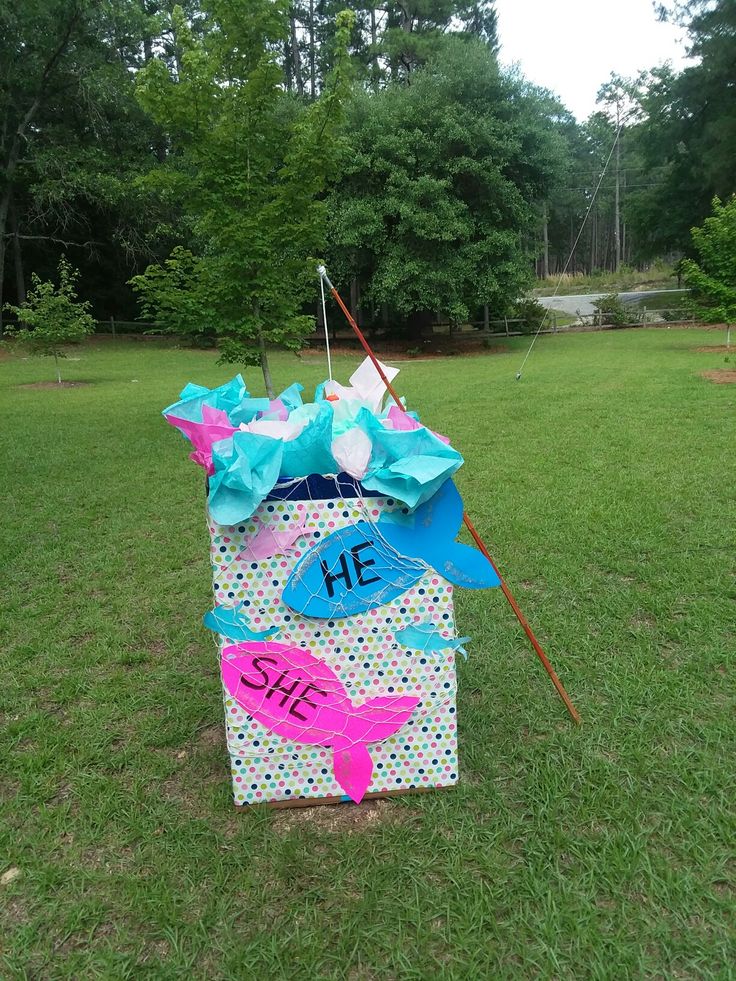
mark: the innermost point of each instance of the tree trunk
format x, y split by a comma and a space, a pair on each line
571, 251
617, 206
375, 67
265, 367
545, 236
354, 298
160, 143
295, 57
312, 53
4, 203
20, 281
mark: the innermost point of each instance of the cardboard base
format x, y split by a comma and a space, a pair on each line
280, 805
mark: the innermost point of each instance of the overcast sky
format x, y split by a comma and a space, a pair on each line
572, 46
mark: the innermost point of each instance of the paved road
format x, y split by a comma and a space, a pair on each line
582, 304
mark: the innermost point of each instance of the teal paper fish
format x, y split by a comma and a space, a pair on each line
230, 622
427, 638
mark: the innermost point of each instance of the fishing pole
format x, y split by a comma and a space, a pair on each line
468, 523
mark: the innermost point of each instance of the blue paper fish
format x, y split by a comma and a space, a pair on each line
368, 564
230, 622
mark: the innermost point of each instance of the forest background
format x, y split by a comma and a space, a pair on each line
188, 159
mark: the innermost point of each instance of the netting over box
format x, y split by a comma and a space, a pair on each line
332, 530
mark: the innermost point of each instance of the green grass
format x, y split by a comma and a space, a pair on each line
604, 483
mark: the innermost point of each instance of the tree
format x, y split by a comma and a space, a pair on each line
248, 164
52, 316
72, 139
689, 132
388, 40
442, 183
712, 278
415, 29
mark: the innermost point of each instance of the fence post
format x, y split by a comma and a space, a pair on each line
112, 325
506, 322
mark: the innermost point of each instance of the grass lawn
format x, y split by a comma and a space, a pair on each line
604, 484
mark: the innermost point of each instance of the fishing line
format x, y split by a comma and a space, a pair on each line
324, 321
572, 251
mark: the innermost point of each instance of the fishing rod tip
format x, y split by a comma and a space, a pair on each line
322, 270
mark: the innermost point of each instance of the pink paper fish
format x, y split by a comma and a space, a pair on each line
268, 541
299, 697
214, 425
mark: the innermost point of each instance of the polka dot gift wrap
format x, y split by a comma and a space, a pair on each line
361, 649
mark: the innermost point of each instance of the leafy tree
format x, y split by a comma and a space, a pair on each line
388, 40
248, 166
689, 132
443, 179
52, 316
415, 29
712, 278
72, 136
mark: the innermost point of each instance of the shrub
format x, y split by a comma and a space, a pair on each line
531, 313
52, 316
612, 312
712, 278
173, 297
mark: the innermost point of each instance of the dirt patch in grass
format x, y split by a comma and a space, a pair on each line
642, 620
716, 349
14, 914
79, 384
723, 376
342, 818
212, 737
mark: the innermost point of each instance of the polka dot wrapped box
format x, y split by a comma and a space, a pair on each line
364, 650
332, 528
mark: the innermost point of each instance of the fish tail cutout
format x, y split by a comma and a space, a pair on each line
431, 538
464, 565
437, 520
375, 720
353, 769
382, 717
442, 513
